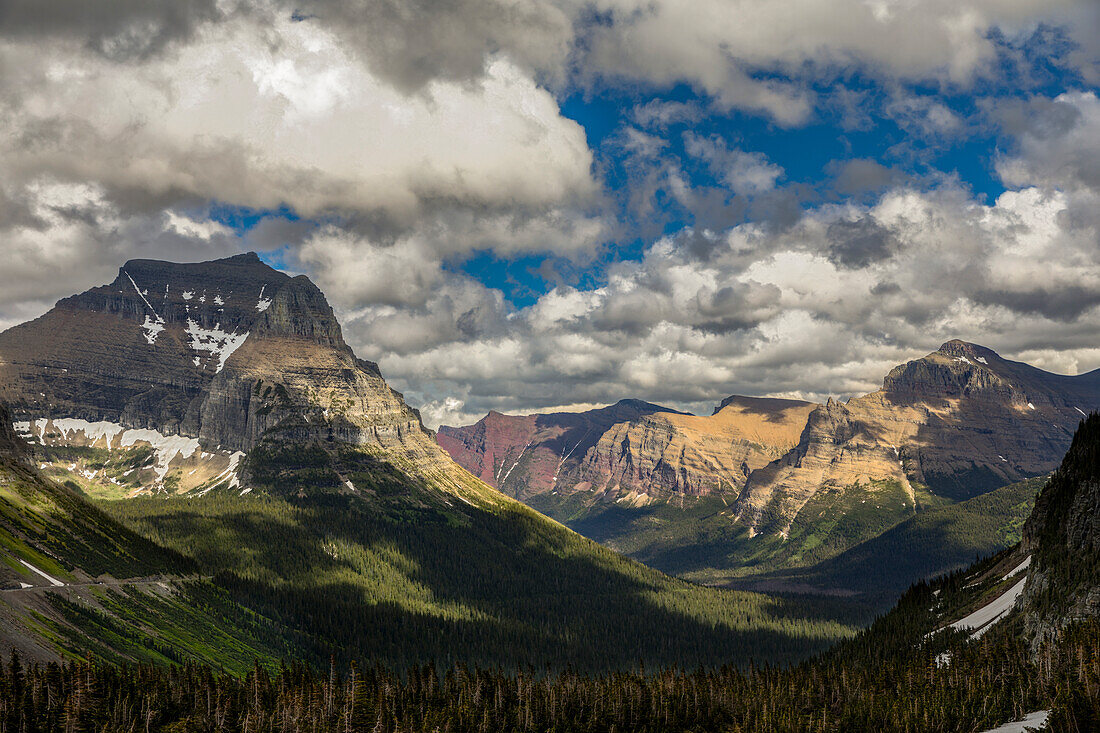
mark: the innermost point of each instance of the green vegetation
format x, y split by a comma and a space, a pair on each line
51, 526
697, 538
405, 584
933, 542
147, 607
891, 678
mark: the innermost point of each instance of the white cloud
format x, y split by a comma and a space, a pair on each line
260, 116
826, 307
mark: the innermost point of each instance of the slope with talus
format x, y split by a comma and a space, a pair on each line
959, 421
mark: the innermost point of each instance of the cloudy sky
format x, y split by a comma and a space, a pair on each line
526, 204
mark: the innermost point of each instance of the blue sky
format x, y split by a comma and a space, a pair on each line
542, 204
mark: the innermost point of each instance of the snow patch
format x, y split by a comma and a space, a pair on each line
983, 619
93, 431
234, 461
963, 359
152, 329
1080, 411
142, 295
1030, 406
981, 359
188, 294
263, 303
219, 343
53, 580
167, 447
218, 300
516, 463
1031, 721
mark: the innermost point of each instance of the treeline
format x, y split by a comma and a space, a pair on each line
985, 684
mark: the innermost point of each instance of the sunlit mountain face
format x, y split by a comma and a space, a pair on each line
540, 206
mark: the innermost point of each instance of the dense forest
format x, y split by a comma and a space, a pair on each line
405, 583
878, 682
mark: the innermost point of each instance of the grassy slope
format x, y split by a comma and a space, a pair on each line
931, 543
125, 598
401, 572
697, 538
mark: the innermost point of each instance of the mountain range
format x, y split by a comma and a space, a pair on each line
764, 484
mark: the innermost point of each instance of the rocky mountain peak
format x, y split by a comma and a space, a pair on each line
965, 349
228, 353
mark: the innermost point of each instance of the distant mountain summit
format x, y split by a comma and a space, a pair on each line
957, 422
631, 452
202, 362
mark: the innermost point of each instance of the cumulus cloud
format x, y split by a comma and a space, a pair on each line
62, 238
395, 138
744, 172
264, 117
825, 307
728, 52
269, 113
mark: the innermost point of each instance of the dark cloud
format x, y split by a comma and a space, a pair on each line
857, 244
1061, 303
1038, 117
414, 42
860, 175
119, 29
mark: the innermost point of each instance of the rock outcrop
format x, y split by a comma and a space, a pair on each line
527, 455
1062, 538
12, 447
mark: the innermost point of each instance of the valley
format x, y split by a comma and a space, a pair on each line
298, 487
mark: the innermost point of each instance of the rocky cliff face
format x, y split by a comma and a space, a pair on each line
631, 452
957, 422
1062, 537
528, 455
12, 447
226, 353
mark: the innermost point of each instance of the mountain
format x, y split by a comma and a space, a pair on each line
179, 370
631, 452
941, 540
766, 485
214, 409
959, 421
1062, 538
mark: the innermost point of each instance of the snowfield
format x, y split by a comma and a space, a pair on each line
983, 619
